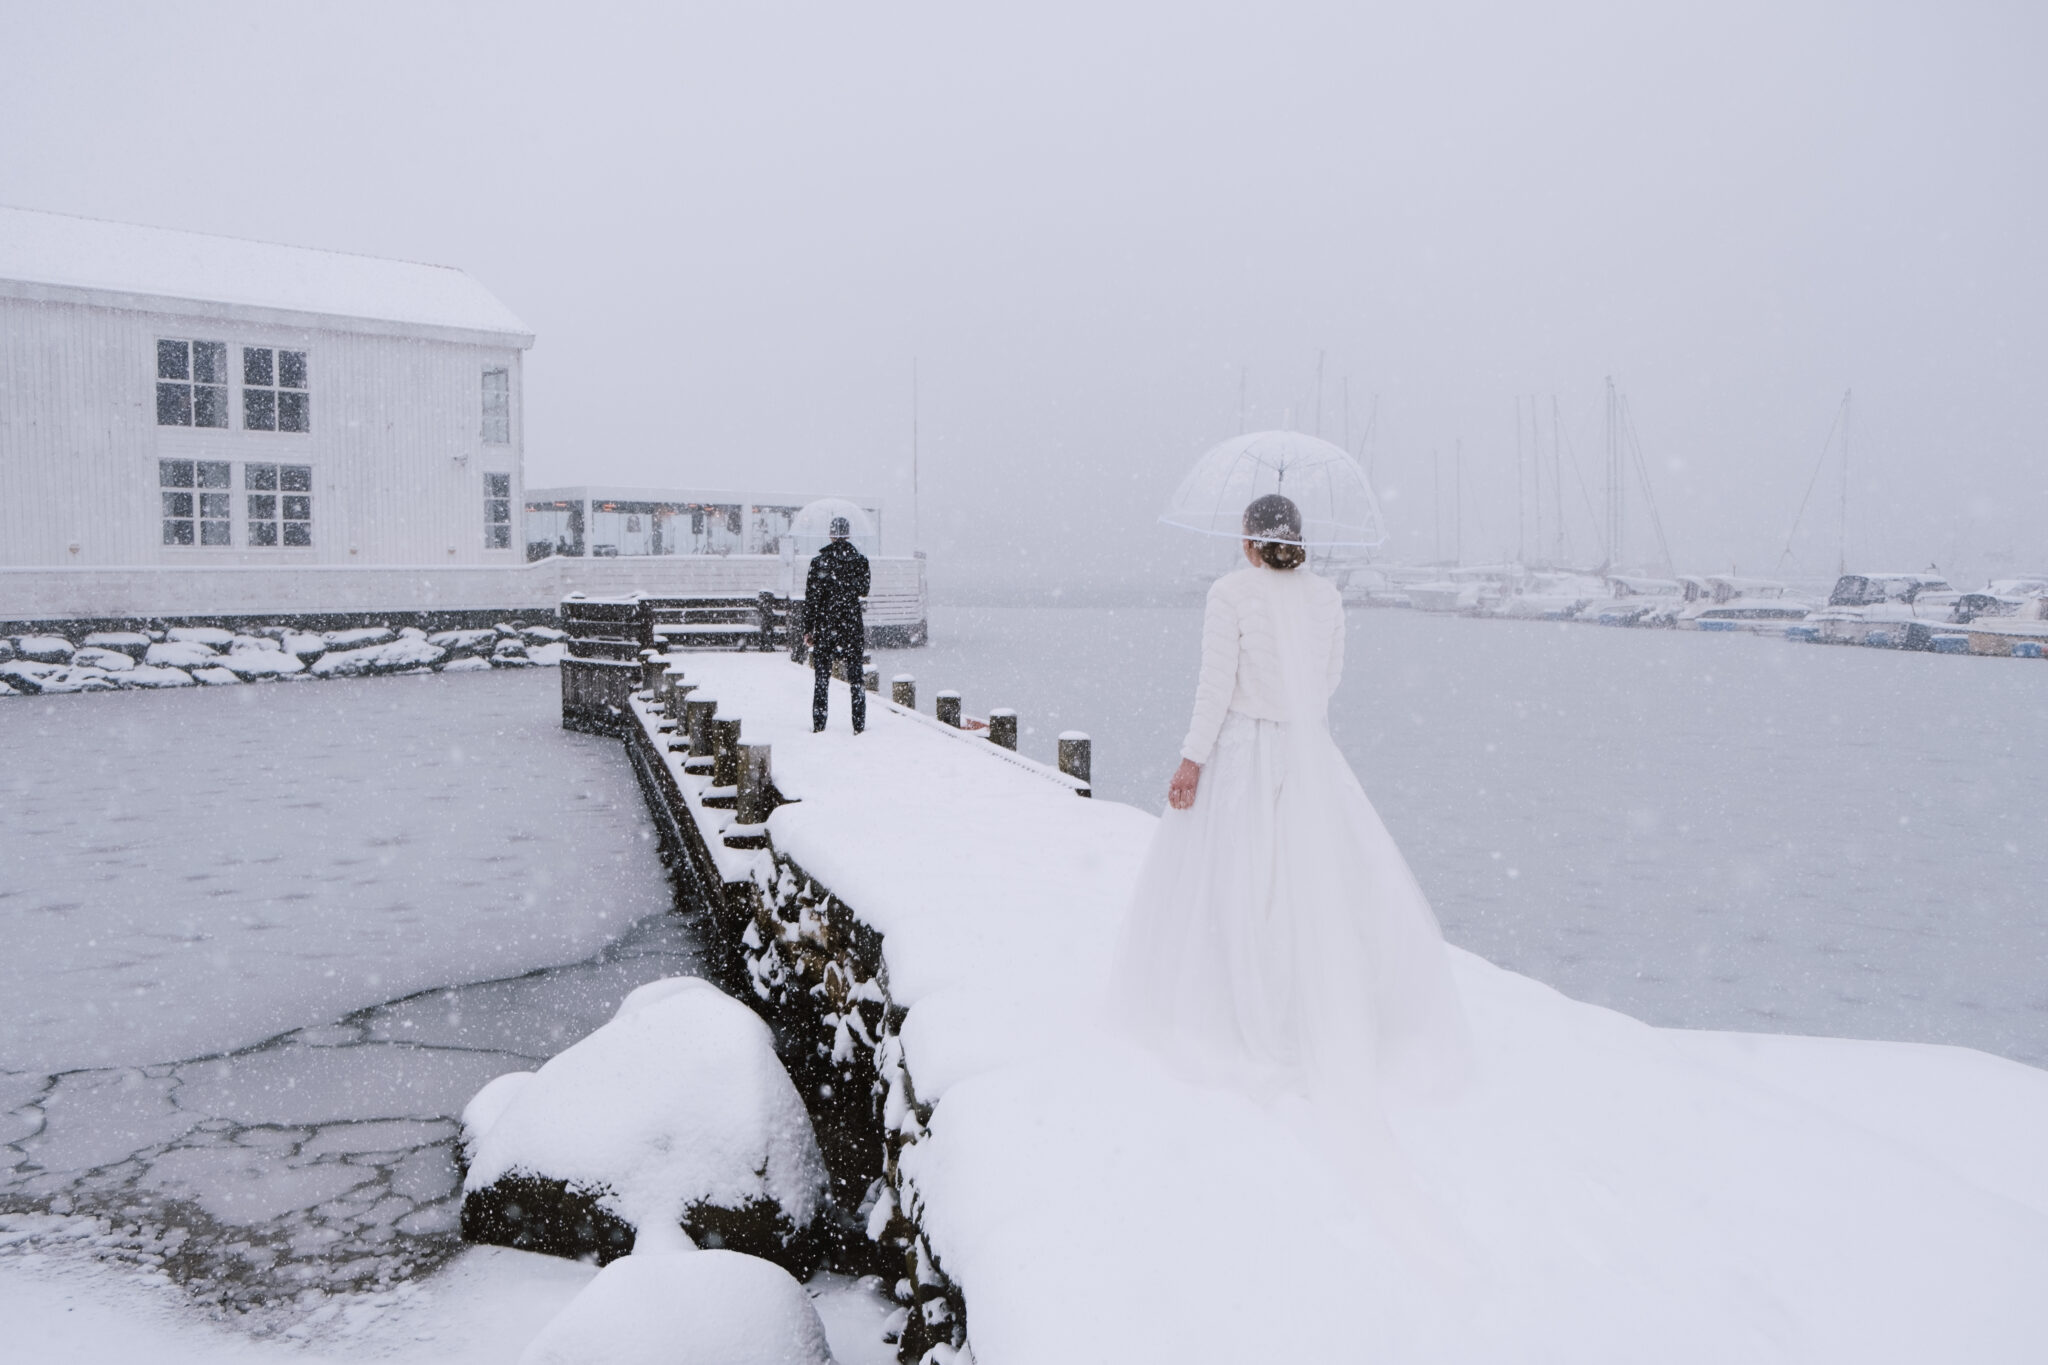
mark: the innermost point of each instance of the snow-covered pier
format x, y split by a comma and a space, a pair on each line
926, 919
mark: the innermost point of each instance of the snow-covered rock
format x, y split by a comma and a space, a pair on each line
148, 675
390, 657
303, 644
510, 653
676, 1113
182, 654
215, 676
111, 660
261, 663
361, 635
487, 1106
547, 656
253, 644
129, 642
465, 641
204, 635
466, 663
543, 635
27, 676
684, 1307
43, 649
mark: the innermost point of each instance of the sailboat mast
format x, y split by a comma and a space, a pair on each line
1319, 394
1614, 483
1842, 526
915, 538
1436, 499
1557, 479
1521, 495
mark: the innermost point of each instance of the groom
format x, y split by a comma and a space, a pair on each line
832, 626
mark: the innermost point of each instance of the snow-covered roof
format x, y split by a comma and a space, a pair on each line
59, 251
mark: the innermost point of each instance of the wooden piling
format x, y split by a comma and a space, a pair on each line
725, 752
1002, 728
652, 666
697, 716
674, 695
946, 706
1077, 758
756, 785
903, 691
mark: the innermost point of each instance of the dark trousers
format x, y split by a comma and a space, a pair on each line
847, 653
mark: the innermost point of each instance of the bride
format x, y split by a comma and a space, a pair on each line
1276, 939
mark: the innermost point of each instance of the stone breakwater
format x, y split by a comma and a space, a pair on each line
804, 942
212, 656
815, 971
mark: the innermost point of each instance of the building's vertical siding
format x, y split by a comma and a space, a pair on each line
396, 443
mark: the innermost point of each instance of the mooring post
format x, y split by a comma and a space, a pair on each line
1076, 755
871, 679
757, 790
725, 752
946, 706
903, 691
673, 698
765, 604
697, 716
652, 666
1002, 728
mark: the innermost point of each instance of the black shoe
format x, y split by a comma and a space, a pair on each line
817, 729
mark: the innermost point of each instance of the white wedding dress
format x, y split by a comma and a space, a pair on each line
1276, 939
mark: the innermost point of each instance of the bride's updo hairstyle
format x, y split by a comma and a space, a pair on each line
1273, 525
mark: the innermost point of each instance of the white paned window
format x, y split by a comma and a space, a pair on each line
497, 511
497, 407
195, 501
280, 503
191, 384
274, 394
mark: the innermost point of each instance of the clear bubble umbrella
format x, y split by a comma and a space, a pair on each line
1339, 514
811, 527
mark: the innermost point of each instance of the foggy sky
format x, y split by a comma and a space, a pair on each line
733, 232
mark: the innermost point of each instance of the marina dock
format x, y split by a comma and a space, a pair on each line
926, 920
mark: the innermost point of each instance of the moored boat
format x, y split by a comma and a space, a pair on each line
1886, 610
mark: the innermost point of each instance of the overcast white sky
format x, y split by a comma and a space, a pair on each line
733, 228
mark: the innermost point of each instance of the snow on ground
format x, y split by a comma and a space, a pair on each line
482, 1309
1709, 831
1603, 1191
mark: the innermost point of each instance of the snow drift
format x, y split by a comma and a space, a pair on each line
684, 1307
677, 1113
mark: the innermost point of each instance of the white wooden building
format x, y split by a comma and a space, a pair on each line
195, 426
198, 428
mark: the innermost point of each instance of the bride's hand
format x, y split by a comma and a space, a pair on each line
1180, 793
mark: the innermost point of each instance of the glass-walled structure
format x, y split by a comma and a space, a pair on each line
606, 522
